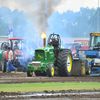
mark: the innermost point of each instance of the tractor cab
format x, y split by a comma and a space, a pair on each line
54, 40
4, 46
94, 41
13, 42
16, 43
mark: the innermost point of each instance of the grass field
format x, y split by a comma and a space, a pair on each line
39, 87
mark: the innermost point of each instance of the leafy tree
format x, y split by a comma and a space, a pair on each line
70, 24
93, 21
3, 27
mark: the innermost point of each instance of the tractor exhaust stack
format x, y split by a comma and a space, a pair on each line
44, 42
43, 36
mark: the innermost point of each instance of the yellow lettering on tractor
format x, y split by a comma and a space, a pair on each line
35, 67
85, 43
39, 55
46, 51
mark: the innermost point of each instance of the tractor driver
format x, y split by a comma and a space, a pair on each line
53, 39
16, 46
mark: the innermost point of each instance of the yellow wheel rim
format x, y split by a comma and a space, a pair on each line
69, 63
52, 71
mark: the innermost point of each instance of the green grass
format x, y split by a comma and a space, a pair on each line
38, 87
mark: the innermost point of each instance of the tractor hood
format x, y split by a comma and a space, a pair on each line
18, 52
44, 54
47, 48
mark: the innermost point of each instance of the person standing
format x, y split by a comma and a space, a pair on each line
10, 60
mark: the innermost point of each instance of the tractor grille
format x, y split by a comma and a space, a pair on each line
36, 64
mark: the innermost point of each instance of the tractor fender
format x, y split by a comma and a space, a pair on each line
5, 55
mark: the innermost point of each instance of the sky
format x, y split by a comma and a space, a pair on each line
63, 6
75, 5
40, 11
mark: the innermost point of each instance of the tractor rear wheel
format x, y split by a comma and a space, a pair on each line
38, 73
51, 70
4, 66
65, 62
29, 74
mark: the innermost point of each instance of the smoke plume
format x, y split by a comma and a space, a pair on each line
38, 10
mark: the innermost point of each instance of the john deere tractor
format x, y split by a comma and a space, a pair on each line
51, 58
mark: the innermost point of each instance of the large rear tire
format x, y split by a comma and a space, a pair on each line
65, 62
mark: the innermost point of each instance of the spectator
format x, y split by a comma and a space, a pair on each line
10, 60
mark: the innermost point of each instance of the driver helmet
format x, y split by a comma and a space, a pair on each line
53, 38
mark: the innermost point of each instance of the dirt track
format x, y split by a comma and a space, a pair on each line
20, 77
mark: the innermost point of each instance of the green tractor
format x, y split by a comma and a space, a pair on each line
51, 59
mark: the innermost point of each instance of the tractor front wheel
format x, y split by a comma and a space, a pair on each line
51, 70
29, 73
65, 62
